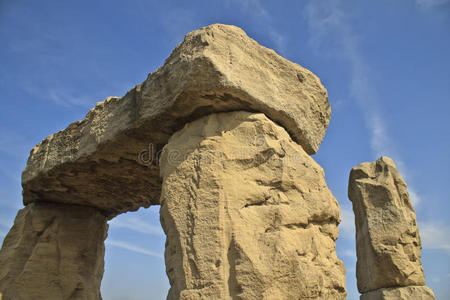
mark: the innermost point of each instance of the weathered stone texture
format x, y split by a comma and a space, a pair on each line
247, 214
53, 251
217, 68
387, 237
400, 293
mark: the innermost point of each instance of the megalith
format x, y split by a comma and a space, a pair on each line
387, 237
53, 251
215, 69
278, 232
247, 214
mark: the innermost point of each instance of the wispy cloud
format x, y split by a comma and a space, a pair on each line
131, 247
430, 3
62, 96
178, 22
414, 196
435, 236
135, 224
6, 222
13, 144
348, 253
347, 226
67, 99
49, 66
328, 23
256, 9
14, 149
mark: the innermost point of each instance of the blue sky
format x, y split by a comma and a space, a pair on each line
385, 64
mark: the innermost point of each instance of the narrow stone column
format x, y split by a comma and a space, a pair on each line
53, 251
387, 237
247, 214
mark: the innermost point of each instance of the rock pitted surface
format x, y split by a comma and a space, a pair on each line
400, 293
258, 223
53, 251
247, 214
387, 237
217, 68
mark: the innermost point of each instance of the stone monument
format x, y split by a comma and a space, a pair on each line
220, 136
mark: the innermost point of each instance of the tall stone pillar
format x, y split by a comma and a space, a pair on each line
53, 251
247, 214
387, 237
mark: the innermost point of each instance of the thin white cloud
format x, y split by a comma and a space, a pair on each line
414, 196
6, 222
62, 96
347, 226
13, 144
11, 198
38, 46
136, 224
178, 22
262, 16
133, 248
327, 23
431, 3
349, 253
435, 236
14, 149
65, 98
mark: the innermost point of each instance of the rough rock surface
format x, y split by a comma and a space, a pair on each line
387, 238
217, 68
247, 214
53, 251
406, 293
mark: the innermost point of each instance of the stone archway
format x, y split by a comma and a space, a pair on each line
78, 178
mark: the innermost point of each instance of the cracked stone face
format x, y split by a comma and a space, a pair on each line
53, 251
406, 292
95, 161
387, 237
247, 214
246, 209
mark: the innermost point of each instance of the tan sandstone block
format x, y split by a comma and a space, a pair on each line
387, 238
94, 161
400, 293
247, 214
53, 251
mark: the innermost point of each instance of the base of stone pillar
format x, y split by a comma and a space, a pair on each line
53, 251
400, 293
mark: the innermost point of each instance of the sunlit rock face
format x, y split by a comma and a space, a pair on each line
255, 222
402, 293
387, 237
247, 214
53, 251
217, 68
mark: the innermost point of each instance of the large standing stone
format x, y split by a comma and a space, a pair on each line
53, 251
215, 69
247, 214
387, 237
